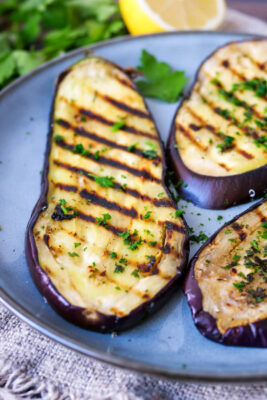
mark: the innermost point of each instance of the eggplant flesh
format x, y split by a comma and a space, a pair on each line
226, 286
104, 245
218, 144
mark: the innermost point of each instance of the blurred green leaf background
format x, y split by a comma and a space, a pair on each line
35, 31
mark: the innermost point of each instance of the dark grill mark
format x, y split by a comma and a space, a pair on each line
259, 65
67, 188
239, 229
90, 218
117, 186
127, 108
226, 63
210, 128
162, 203
124, 82
148, 267
242, 104
58, 214
166, 249
242, 235
224, 166
110, 205
234, 71
213, 130
129, 129
245, 129
144, 174
46, 240
188, 135
195, 127
90, 135
174, 227
218, 110
245, 154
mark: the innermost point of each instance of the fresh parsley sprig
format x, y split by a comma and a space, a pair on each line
160, 81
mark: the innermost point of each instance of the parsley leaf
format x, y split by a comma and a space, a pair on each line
161, 82
118, 125
105, 181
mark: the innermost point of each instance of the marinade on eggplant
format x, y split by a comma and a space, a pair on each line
226, 286
105, 245
218, 140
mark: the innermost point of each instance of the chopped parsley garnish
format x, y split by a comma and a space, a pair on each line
261, 124
77, 245
83, 118
224, 113
135, 273
123, 261
73, 254
118, 125
207, 261
161, 194
129, 241
97, 155
259, 86
230, 98
220, 217
104, 220
258, 295
239, 285
79, 149
105, 181
132, 147
147, 215
124, 235
215, 82
178, 213
58, 138
161, 82
152, 243
261, 141
150, 154
119, 269
254, 244
236, 257
113, 254
228, 142
200, 238
248, 116
135, 245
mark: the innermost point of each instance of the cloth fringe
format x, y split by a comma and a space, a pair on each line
16, 384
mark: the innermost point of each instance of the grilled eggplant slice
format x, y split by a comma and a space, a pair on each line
105, 244
218, 140
226, 286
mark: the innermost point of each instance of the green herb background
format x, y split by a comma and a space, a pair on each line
35, 31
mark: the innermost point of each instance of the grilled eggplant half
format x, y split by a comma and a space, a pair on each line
226, 286
105, 244
218, 140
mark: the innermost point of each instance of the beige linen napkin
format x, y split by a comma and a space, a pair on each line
34, 367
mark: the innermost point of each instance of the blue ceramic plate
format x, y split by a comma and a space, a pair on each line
168, 343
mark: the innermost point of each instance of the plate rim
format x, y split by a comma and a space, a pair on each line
86, 350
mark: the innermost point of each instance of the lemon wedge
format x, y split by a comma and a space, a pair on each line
149, 16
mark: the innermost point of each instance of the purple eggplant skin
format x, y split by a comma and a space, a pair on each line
251, 335
77, 315
213, 192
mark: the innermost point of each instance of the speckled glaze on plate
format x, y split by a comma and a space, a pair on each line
166, 344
